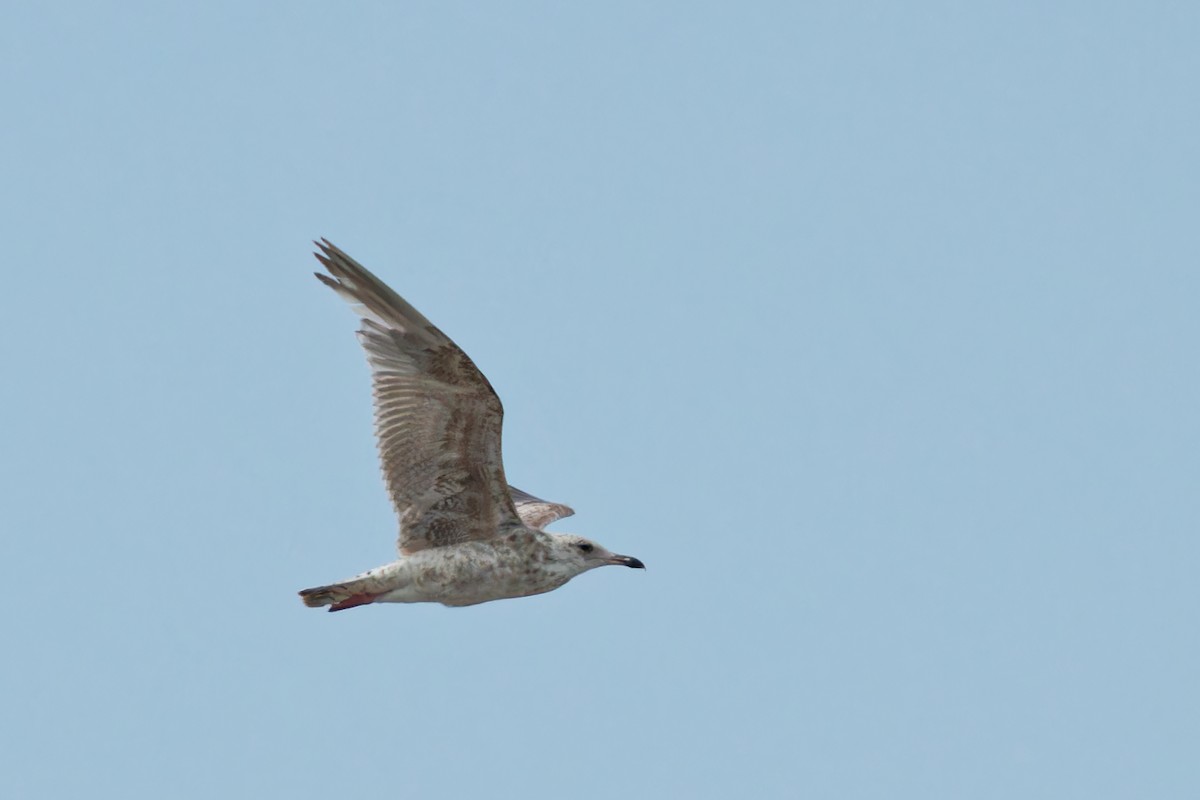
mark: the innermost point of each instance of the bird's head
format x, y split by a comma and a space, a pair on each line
585, 554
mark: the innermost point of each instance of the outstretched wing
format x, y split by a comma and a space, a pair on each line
535, 512
437, 418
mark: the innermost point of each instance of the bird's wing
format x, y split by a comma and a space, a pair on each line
536, 512
437, 418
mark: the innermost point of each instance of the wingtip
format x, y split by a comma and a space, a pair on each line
334, 260
326, 250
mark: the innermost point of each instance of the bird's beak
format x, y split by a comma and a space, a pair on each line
627, 561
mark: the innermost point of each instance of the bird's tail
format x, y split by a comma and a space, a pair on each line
339, 596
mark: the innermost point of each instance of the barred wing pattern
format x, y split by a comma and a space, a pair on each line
437, 419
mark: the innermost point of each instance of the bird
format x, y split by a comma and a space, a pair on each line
466, 536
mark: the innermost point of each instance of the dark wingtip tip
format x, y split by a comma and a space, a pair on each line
325, 249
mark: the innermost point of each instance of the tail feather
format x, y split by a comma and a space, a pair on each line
338, 596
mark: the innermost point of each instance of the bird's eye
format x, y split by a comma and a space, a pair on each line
586, 547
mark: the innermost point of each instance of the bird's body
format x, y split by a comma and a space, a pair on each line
466, 536
517, 563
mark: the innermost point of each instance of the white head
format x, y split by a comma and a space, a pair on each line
584, 554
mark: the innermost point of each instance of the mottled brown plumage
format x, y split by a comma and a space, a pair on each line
466, 536
437, 419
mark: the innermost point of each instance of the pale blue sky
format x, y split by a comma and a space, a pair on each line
871, 327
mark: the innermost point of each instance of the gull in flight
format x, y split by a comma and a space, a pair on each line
466, 536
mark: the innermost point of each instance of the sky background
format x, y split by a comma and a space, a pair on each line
870, 327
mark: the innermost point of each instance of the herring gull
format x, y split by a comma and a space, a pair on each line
466, 536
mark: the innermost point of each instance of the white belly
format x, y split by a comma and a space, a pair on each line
470, 573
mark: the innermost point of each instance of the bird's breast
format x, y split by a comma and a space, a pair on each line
476, 572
